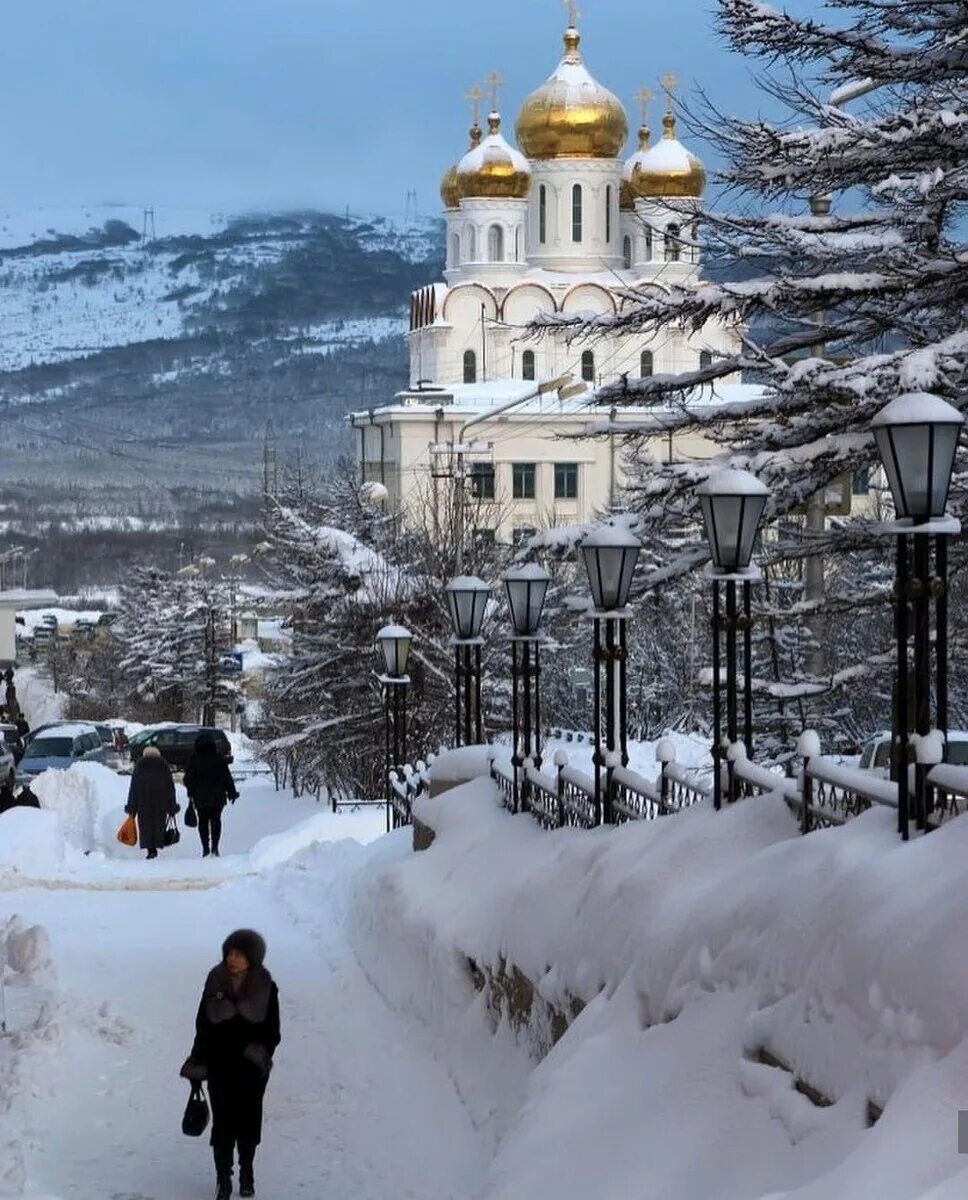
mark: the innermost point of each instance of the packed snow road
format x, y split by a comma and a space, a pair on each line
357, 1109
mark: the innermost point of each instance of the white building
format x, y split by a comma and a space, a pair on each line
565, 225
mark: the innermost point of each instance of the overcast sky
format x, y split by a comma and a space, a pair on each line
235, 104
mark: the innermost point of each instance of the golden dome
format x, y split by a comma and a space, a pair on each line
494, 170
668, 169
450, 184
626, 190
572, 115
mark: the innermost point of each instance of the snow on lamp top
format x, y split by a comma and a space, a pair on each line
467, 598
732, 504
610, 553
394, 641
917, 438
526, 588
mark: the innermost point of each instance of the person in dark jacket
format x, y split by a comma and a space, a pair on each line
236, 1034
151, 798
26, 798
210, 786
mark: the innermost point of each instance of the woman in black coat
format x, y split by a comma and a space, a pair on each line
210, 786
236, 1034
151, 798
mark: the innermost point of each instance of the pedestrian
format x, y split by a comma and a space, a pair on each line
210, 786
151, 798
12, 704
25, 799
236, 1034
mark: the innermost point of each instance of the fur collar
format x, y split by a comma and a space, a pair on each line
251, 1002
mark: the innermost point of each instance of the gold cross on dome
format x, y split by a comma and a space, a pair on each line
474, 97
669, 84
574, 14
644, 95
494, 81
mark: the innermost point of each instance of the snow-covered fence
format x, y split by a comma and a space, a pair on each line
406, 786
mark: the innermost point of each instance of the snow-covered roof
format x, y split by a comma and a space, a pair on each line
64, 731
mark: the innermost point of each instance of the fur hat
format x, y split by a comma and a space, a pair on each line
247, 942
151, 752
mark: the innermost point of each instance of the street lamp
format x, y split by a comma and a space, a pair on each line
526, 588
610, 553
467, 598
394, 641
732, 505
917, 437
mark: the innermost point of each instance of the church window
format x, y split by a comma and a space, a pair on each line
470, 366
672, 246
705, 360
495, 244
576, 213
588, 366
472, 244
542, 214
608, 215
627, 254
647, 363
648, 243
527, 364
455, 250
517, 244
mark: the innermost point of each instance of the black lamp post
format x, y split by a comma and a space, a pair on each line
394, 641
610, 553
732, 508
917, 438
526, 588
467, 598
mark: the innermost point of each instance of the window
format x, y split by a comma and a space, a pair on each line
470, 366
542, 214
648, 244
517, 244
472, 244
705, 360
566, 481
860, 483
647, 364
627, 254
576, 213
482, 481
523, 481
588, 366
455, 250
608, 215
672, 243
495, 244
527, 364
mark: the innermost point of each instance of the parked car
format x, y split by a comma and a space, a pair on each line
876, 755
59, 748
177, 743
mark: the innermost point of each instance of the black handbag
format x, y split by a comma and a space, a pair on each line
172, 833
191, 816
195, 1120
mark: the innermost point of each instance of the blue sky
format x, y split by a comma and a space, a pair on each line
263, 103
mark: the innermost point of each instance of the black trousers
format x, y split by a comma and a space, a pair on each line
209, 827
236, 1121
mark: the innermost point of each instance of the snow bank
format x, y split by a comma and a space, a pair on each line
90, 800
39, 701
31, 842
692, 942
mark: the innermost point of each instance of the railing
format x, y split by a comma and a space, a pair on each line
406, 786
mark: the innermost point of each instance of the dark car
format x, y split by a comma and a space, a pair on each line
177, 743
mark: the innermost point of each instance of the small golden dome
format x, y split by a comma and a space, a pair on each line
668, 170
572, 115
494, 170
450, 184
626, 190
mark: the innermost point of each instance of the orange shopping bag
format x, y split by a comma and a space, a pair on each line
128, 833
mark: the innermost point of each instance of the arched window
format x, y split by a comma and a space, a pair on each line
588, 366
517, 244
672, 247
576, 214
608, 215
472, 244
542, 214
705, 360
648, 243
527, 364
627, 254
470, 366
495, 244
455, 250
646, 363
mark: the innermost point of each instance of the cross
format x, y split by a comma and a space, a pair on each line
494, 82
573, 13
644, 95
475, 96
669, 84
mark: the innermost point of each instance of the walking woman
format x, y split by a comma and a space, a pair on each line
210, 786
151, 798
236, 1034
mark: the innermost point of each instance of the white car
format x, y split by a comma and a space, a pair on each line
876, 755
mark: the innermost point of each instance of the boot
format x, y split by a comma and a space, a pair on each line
224, 1189
152, 854
246, 1178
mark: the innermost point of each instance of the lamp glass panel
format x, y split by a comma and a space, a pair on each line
731, 524
886, 447
610, 571
943, 461
526, 600
396, 653
752, 512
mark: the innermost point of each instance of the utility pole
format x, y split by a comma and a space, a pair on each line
211, 670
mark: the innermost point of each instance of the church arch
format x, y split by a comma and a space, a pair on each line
495, 243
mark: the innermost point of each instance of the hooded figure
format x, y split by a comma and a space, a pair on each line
151, 798
236, 1034
210, 786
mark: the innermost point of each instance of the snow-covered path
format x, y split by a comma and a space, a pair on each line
356, 1108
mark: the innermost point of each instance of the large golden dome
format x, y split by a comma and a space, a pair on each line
450, 184
668, 170
494, 170
572, 115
